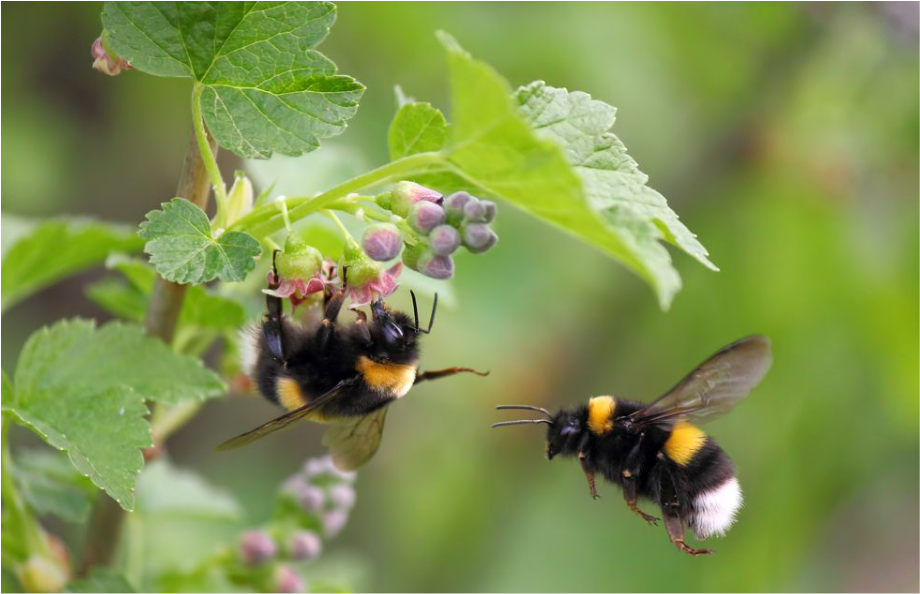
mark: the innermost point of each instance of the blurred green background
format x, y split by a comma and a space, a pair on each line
785, 135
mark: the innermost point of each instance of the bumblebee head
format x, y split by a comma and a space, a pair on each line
564, 431
393, 334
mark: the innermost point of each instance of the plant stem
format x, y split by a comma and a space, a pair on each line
163, 313
208, 156
267, 218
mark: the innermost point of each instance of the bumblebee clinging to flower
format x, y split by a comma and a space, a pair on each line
654, 450
342, 375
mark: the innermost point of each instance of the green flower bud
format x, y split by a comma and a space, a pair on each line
41, 574
239, 201
411, 254
299, 260
406, 193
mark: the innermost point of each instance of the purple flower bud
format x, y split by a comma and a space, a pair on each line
478, 237
454, 205
304, 545
316, 466
333, 522
474, 211
342, 496
287, 580
439, 267
491, 210
107, 61
381, 241
425, 216
257, 547
406, 193
444, 240
311, 499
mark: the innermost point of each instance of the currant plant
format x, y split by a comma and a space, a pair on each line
109, 396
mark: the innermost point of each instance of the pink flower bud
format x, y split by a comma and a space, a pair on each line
287, 580
311, 499
454, 205
107, 61
334, 522
257, 547
304, 545
425, 216
406, 193
444, 240
342, 497
439, 267
478, 237
474, 211
382, 242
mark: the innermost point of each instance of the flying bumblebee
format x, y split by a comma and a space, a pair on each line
346, 376
656, 452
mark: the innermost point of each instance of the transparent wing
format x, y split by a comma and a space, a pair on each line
353, 441
713, 388
310, 410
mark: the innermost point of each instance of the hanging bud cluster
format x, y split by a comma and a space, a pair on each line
313, 506
439, 227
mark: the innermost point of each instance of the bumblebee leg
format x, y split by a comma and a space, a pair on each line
330, 314
589, 474
361, 327
272, 325
670, 508
439, 373
630, 481
630, 493
676, 534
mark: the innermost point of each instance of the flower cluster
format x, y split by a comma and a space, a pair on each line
439, 227
423, 227
313, 505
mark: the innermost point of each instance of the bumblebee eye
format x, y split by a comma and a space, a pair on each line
391, 331
568, 429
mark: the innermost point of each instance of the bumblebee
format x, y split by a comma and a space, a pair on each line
346, 376
656, 451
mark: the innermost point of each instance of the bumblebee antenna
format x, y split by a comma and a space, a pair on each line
524, 407
434, 308
415, 310
522, 422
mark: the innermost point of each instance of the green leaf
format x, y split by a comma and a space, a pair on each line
183, 249
492, 146
49, 483
164, 489
613, 184
82, 389
100, 579
416, 128
265, 88
46, 252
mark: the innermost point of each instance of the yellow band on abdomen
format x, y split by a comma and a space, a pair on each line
684, 442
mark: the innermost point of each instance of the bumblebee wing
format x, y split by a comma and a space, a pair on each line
714, 387
311, 409
353, 441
